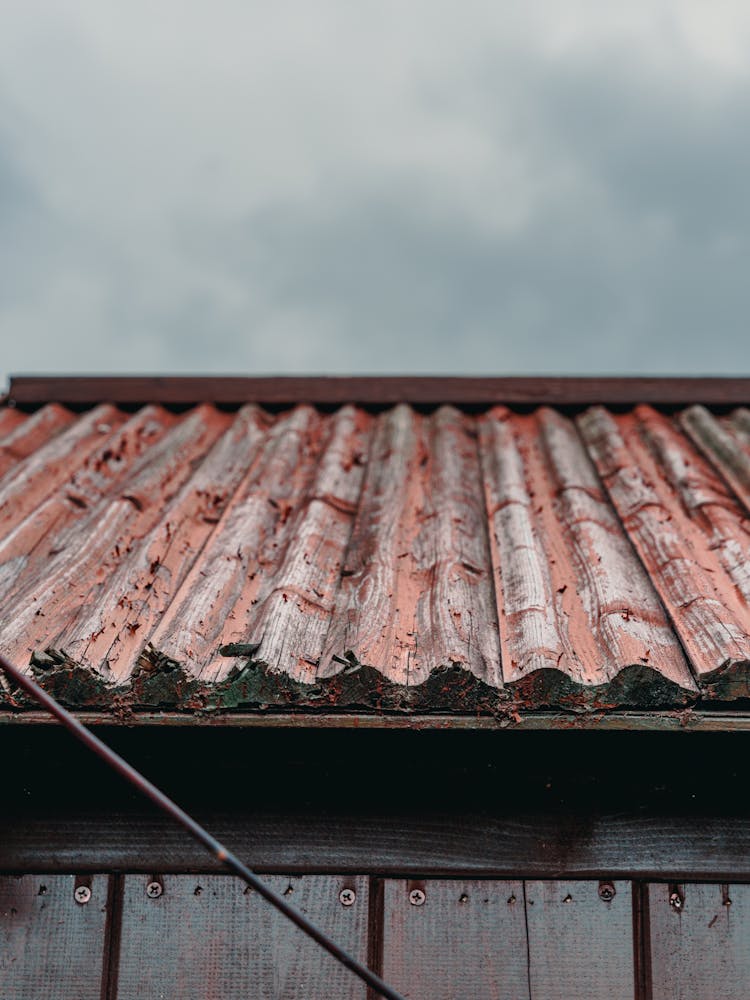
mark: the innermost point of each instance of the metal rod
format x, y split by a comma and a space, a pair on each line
221, 853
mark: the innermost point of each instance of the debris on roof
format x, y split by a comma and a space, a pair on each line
461, 561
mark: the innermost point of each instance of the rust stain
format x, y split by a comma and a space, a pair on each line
497, 563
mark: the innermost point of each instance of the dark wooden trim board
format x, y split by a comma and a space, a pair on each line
677, 721
676, 848
34, 390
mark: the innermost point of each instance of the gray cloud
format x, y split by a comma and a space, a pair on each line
516, 199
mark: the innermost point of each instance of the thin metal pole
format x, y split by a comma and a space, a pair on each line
221, 853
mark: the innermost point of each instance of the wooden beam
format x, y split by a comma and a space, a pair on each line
679, 721
617, 845
377, 391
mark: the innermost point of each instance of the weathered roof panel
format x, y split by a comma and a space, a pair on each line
443, 561
690, 533
579, 612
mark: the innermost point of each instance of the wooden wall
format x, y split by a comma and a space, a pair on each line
506, 834
117, 937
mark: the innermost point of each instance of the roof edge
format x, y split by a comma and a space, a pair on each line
664, 720
378, 391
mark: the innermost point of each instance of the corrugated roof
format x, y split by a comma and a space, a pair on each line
397, 560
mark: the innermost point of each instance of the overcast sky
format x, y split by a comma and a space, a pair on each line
380, 186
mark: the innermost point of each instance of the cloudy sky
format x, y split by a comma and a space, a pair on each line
381, 186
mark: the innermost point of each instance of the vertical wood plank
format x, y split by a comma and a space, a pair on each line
580, 945
700, 951
209, 937
468, 939
50, 945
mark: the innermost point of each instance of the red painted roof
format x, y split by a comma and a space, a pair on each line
448, 561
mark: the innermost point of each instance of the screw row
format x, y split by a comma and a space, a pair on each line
348, 896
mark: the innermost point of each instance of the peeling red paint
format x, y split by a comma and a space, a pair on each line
445, 561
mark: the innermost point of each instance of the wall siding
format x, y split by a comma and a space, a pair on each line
700, 951
579, 944
468, 938
206, 936
209, 937
50, 945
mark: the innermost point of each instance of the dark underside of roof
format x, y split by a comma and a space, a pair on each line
474, 558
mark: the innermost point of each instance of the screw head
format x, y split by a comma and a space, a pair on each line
347, 897
82, 894
676, 901
154, 890
417, 897
606, 891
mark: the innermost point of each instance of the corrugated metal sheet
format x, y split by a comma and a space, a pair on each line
394, 560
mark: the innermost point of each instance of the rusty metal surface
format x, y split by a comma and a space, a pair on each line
448, 562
